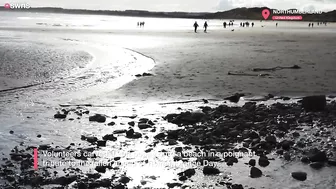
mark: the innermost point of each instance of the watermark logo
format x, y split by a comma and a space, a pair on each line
292, 14
265, 13
17, 6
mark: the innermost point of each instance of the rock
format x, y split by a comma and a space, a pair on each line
183, 178
131, 123
254, 135
111, 123
44, 147
82, 185
101, 143
101, 169
172, 142
285, 98
144, 126
39, 136
92, 139
110, 137
287, 156
64, 180
263, 161
189, 172
316, 165
252, 162
301, 176
60, 116
332, 162
314, 103
255, 172
93, 175
124, 179
160, 136
271, 139
209, 170
286, 145
146, 74
173, 134
305, 160
186, 118
133, 135
11, 132
173, 185
97, 118
234, 98
237, 186
120, 131
317, 156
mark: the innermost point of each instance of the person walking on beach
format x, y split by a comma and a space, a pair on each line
205, 26
312, 25
224, 24
309, 25
252, 24
276, 25
195, 26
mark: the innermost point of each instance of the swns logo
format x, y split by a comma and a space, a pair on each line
17, 6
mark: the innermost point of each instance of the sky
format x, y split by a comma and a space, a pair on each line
180, 5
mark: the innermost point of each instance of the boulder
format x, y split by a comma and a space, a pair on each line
209, 170
252, 162
255, 172
314, 103
317, 156
110, 137
60, 116
301, 176
316, 165
263, 161
97, 118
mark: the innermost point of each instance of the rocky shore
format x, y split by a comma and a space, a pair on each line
209, 138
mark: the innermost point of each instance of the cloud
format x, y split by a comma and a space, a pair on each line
225, 5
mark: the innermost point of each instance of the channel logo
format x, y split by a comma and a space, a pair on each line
17, 6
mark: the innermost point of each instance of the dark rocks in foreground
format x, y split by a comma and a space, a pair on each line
301, 176
314, 103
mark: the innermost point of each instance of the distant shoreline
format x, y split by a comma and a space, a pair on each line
238, 13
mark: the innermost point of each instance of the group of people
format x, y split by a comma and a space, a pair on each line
141, 24
247, 24
205, 26
318, 23
230, 24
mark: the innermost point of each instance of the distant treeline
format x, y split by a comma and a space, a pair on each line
238, 13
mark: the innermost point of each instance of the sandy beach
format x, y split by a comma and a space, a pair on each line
96, 70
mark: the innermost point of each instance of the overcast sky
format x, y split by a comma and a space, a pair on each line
180, 5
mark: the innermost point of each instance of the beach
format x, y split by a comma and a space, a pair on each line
75, 64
